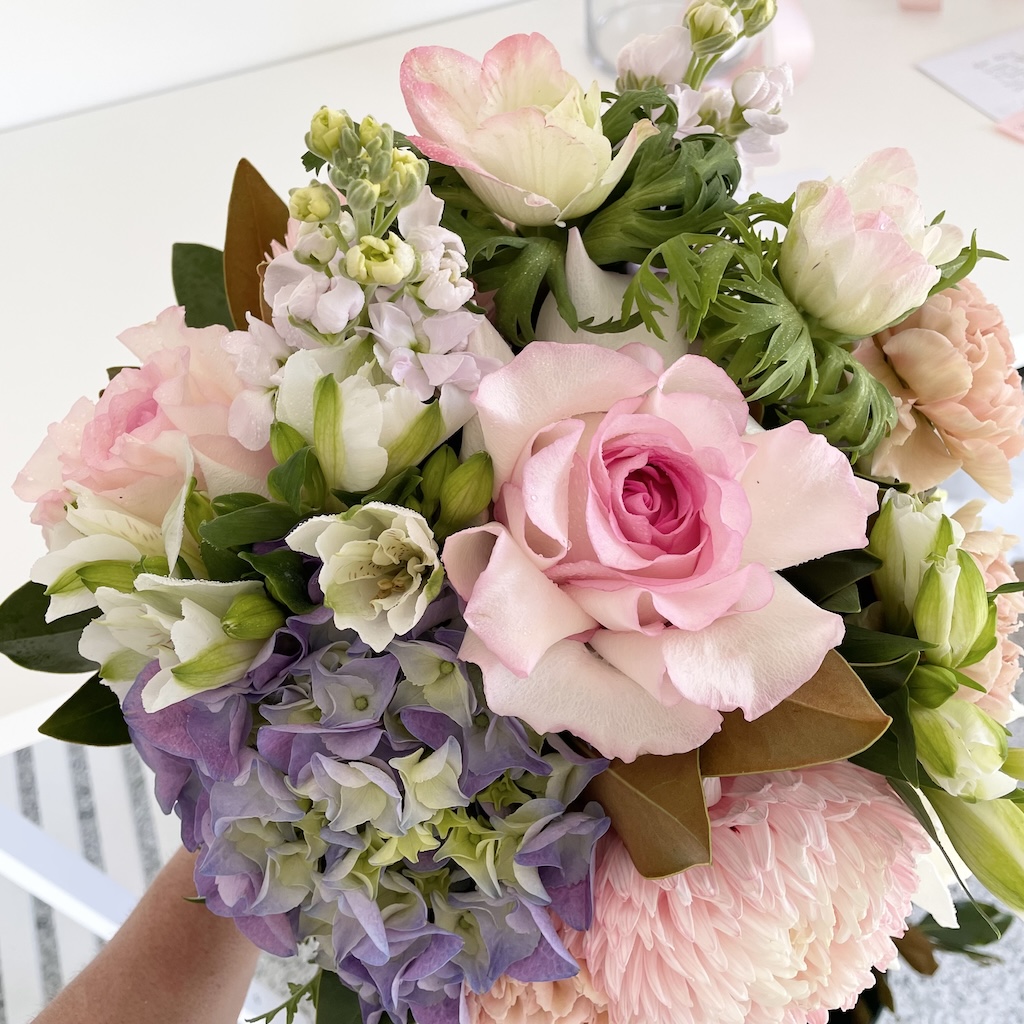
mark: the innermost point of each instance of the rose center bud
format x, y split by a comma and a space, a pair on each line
659, 496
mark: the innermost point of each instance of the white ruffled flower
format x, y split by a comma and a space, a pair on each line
439, 280
661, 59
380, 568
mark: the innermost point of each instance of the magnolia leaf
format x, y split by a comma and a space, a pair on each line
91, 715
256, 217
198, 275
830, 718
656, 805
32, 642
916, 948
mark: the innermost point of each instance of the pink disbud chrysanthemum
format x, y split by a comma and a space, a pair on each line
813, 874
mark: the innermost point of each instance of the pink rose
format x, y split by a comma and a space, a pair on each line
949, 367
1000, 669
519, 128
153, 428
626, 590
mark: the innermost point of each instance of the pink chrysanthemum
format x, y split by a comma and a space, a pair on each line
812, 876
572, 1001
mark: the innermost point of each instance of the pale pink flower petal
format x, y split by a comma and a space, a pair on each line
813, 874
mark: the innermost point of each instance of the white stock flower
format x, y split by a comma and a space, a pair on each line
661, 59
439, 280
386, 261
380, 568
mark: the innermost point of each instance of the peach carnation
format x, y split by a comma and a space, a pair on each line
813, 874
949, 367
1000, 669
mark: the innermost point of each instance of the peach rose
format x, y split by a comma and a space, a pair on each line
949, 367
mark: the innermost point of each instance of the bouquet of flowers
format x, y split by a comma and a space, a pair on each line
520, 561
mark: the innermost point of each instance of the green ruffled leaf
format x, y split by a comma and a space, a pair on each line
632, 105
198, 275
290, 1006
32, 642
91, 715
669, 189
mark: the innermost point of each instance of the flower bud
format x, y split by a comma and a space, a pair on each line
952, 610
316, 203
466, 492
325, 130
406, 177
962, 749
316, 248
660, 59
712, 27
386, 261
374, 136
757, 16
116, 575
362, 195
252, 617
285, 441
436, 470
907, 533
932, 685
989, 836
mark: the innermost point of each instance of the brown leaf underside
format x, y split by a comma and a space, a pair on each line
656, 803
256, 217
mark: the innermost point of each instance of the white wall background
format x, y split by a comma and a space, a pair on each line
62, 56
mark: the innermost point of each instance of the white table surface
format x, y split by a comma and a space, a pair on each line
91, 204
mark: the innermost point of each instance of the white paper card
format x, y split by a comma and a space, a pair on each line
989, 75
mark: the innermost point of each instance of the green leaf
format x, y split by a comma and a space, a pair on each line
198, 275
312, 163
223, 566
299, 481
268, 521
1008, 588
961, 265
669, 188
336, 1004
863, 646
895, 753
630, 106
91, 715
232, 502
883, 680
32, 642
824, 577
978, 924
285, 576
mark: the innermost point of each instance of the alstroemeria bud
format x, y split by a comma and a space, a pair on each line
712, 27
989, 836
907, 533
435, 472
252, 616
952, 610
316, 203
932, 685
466, 492
962, 749
325, 131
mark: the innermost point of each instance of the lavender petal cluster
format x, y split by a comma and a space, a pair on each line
372, 803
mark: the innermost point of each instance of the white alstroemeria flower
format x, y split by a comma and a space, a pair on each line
174, 622
381, 568
597, 294
962, 749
